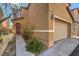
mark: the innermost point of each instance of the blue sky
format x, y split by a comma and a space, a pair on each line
74, 5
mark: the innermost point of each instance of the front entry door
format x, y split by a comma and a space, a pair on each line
18, 28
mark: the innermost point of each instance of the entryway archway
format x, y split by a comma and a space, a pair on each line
18, 28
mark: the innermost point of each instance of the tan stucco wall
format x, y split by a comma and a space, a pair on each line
38, 17
23, 22
59, 9
75, 26
43, 37
75, 31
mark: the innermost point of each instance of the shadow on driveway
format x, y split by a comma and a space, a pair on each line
75, 52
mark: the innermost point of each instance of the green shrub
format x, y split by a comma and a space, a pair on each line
4, 31
34, 46
27, 34
0, 33
0, 39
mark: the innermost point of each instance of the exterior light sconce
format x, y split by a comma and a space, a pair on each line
51, 16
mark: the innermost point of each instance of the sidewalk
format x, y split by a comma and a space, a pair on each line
20, 47
3, 45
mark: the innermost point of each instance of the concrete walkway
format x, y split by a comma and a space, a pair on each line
61, 48
20, 47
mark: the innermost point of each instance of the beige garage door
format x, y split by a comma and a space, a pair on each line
60, 31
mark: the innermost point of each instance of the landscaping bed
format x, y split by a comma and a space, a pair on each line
11, 48
34, 45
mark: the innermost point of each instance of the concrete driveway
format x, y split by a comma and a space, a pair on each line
61, 48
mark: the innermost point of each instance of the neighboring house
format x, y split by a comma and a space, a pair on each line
4, 23
75, 13
51, 22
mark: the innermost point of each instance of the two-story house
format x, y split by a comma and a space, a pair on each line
75, 13
52, 22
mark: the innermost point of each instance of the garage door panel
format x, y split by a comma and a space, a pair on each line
60, 31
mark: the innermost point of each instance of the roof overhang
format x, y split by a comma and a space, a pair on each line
69, 11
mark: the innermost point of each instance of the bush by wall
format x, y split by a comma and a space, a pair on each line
34, 46
27, 34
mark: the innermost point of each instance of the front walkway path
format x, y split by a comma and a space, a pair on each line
61, 48
20, 47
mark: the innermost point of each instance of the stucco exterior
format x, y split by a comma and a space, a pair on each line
38, 17
42, 17
4, 23
22, 21
60, 12
75, 14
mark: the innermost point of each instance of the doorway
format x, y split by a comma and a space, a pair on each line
18, 29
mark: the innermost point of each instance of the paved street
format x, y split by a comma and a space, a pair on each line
20, 47
61, 48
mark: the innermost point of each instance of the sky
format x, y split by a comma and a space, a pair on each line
74, 5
